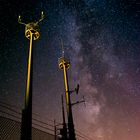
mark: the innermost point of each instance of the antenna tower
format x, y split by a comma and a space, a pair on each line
31, 33
64, 64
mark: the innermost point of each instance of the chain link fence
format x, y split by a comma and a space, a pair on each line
10, 130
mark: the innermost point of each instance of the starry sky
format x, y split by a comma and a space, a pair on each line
102, 40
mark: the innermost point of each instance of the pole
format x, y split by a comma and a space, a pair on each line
26, 128
28, 95
55, 130
68, 104
64, 134
31, 33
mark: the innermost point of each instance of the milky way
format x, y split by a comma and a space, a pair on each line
101, 38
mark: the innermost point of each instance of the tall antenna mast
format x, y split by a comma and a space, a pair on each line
31, 33
62, 47
64, 64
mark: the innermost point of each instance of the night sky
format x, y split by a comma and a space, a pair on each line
101, 39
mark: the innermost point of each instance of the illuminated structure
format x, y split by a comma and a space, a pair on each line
64, 64
31, 33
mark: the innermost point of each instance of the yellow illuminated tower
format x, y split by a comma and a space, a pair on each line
64, 64
31, 33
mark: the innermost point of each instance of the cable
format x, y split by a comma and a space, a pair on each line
10, 114
20, 114
43, 127
33, 119
19, 111
43, 122
10, 109
20, 119
8, 106
83, 135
